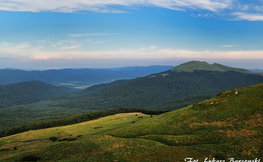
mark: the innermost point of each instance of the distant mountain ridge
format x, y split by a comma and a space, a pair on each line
256, 70
198, 65
77, 77
29, 92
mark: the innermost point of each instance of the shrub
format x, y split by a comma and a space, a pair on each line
53, 139
30, 158
219, 156
72, 139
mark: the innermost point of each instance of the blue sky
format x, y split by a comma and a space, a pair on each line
47, 34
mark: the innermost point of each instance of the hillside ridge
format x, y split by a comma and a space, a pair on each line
198, 65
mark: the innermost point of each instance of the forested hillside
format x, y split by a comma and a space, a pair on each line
157, 89
29, 92
98, 87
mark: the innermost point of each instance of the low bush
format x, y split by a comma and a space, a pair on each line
30, 158
72, 139
97, 127
53, 139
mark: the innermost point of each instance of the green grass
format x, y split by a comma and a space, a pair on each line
228, 125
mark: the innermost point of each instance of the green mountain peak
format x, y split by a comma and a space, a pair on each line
198, 65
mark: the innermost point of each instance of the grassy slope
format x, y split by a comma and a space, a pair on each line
228, 125
198, 65
195, 65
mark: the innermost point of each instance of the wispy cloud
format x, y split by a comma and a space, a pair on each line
207, 15
228, 46
152, 47
146, 54
241, 10
105, 6
15, 50
97, 42
248, 16
74, 51
63, 48
87, 34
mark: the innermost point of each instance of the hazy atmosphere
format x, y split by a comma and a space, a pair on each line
47, 34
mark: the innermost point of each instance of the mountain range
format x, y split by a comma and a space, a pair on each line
172, 89
77, 78
202, 79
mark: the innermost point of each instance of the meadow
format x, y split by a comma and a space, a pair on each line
228, 125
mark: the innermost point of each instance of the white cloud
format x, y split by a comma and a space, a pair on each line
221, 8
248, 16
18, 50
105, 6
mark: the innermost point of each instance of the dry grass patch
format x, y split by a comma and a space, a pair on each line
238, 133
164, 75
255, 120
215, 123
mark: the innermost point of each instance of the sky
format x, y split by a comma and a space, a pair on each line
51, 34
